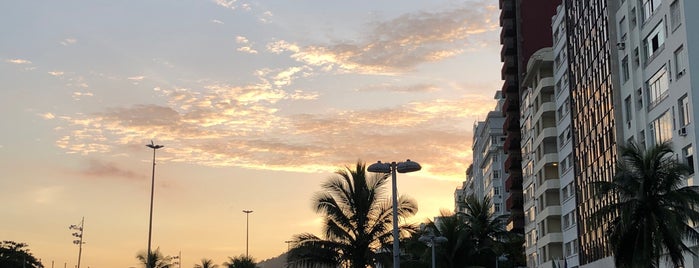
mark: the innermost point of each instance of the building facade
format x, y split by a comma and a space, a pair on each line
519, 19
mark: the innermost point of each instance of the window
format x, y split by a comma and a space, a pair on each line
627, 109
636, 60
497, 208
657, 87
675, 15
688, 153
496, 190
661, 128
680, 62
654, 41
625, 69
684, 110
633, 17
622, 29
649, 6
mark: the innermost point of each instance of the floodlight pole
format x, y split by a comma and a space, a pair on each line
152, 189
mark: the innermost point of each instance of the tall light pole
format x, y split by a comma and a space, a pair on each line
152, 187
79, 235
401, 167
247, 230
432, 240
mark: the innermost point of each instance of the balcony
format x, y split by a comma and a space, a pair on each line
510, 85
509, 47
511, 105
511, 123
515, 200
513, 161
508, 68
507, 8
513, 142
548, 184
513, 182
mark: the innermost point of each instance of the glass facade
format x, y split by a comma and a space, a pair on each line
593, 122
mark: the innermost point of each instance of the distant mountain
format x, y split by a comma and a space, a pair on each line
276, 262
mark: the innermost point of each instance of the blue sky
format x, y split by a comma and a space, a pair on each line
256, 102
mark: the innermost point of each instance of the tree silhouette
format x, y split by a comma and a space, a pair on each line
653, 212
358, 222
17, 255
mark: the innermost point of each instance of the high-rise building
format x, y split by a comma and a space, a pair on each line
593, 121
630, 80
519, 19
541, 183
485, 175
564, 138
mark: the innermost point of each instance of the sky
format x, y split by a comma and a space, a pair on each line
256, 102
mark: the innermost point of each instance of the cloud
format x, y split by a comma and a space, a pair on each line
69, 41
18, 61
48, 115
402, 43
227, 4
217, 21
223, 125
246, 48
97, 169
415, 88
136, 78
56, 73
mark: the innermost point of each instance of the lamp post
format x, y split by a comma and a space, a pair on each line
247, 230
432, 240
152, 187
401, 167
79, 235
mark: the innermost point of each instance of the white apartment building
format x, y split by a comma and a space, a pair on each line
484, 177
565, 146
657, 48
541, 181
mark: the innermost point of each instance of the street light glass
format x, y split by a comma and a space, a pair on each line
408, 166
379, 167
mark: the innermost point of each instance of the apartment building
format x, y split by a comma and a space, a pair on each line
519, 19
484, 177
569, 225
542, 204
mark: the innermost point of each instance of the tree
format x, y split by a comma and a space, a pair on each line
156, 260
485, 231
358, 222
241, 261
17, 255
652, 213
206, 263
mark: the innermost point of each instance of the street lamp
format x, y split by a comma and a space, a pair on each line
79, 236
401, 167
247, 230
432, 240
152, 187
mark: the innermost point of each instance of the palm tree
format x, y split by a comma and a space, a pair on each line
241, 261
653, 214
455, 251
358, 222
156, 260
206, 263
485, 231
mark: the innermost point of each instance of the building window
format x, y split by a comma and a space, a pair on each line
636, 59
625, 69
633, 17
657, 87
627, 109
688, 153
497, 208
622, 29
685, 111
649, 6
680, 62
661, 128
496, 190
654, 41
675, 15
